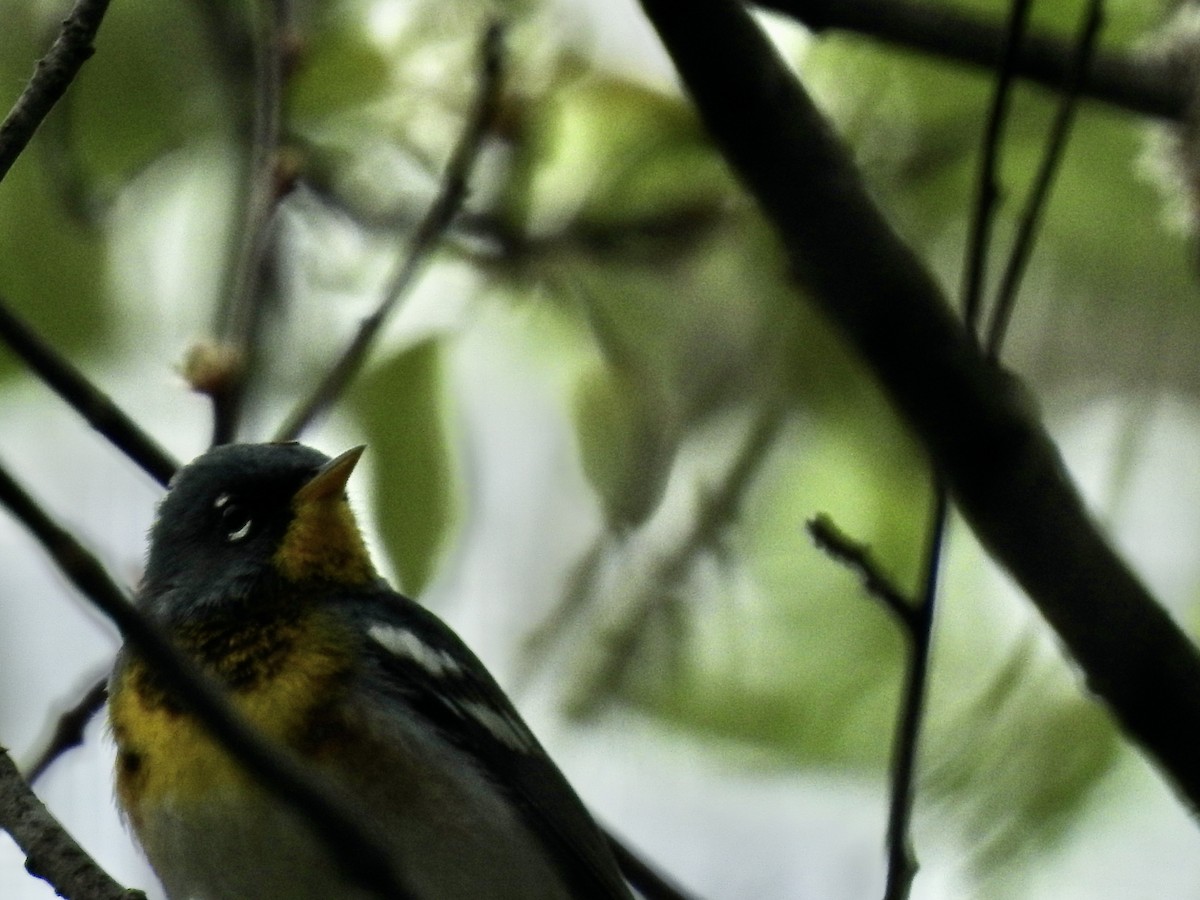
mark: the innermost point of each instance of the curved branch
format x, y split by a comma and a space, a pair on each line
1004, 471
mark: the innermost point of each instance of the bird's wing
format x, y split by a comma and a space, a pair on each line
418, 660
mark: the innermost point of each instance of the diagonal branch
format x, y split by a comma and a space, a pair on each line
1142, 82
54, 74
857, 558
99, 411
68, 731
435, 222
50, 853
1001, 466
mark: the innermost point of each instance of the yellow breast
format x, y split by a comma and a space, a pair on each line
165, 758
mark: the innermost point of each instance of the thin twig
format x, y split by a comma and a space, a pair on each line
68, 732
50, 852
1142, 82
99, 411
718, 508
987, 188
332, 816
54, 74
240, 314
435, 222
858, 558
1014, 270
902, 862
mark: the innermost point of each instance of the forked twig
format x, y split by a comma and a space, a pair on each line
901, 857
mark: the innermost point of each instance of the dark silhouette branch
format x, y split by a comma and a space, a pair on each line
901, 857
68, 731
916, 619
1031, 215
332, 816
433, 225
1142, 82
54, 74
857, 558
50, 853
1001, 466
987, 196
79, 393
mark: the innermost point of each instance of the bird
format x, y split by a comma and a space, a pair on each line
258, 573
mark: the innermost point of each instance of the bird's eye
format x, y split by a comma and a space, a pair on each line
235, 519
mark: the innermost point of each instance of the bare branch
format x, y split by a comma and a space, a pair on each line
333, 816
1001, 466
1014, 270
435, 222
902, 860
68, 732
99, 411
54, 74
1142, 82
50, 853
857, 557
983, 211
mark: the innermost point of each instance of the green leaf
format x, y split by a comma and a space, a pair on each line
399, 405
624, 443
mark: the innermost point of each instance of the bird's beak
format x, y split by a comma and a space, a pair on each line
330, 480
323, 540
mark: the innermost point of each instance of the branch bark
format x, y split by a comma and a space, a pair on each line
54, 74
50, 853
1003, 469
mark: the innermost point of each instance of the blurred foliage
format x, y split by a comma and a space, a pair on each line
714, 411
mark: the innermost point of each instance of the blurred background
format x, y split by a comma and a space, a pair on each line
600, 419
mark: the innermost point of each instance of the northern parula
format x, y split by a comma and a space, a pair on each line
258, 572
